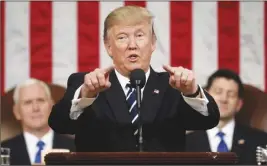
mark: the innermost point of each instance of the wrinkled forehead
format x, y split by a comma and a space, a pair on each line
130, 28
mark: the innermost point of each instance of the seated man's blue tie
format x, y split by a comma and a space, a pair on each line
40, 145
222, 147
132, 106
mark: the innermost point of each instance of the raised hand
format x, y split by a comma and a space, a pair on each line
182, 79
96, 82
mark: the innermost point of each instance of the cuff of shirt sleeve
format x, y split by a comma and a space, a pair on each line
199, 104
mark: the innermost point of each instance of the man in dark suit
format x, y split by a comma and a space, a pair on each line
227, 89
97, 105
32, 106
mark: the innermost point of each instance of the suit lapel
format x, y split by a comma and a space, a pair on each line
152, 96
22, 152
203, 140
117, 100
238, 140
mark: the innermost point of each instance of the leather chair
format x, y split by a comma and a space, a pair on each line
254, 110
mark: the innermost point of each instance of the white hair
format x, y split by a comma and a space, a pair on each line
29, 82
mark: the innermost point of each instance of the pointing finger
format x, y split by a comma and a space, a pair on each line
168, 69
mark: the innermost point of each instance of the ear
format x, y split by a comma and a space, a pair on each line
239, 105
154, 42
108, 47
16, 112
52, 102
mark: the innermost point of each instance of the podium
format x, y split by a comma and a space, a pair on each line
143, 158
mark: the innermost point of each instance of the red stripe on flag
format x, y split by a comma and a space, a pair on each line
2, 35
265, 43
88, 36
41, 40
137, 3
181, 34
228, 35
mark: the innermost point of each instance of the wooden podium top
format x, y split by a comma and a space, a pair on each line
140, 158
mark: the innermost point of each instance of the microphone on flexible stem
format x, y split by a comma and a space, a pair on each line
138, 80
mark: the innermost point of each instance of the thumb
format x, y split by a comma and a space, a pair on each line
108, 84
108, 70
168, 69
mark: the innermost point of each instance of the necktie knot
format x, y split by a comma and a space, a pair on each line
220, 134
129, 86
40, 144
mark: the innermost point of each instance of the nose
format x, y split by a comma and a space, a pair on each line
132, 44
35, 106
223, 97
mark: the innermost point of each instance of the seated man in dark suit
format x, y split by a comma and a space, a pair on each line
100, 108
227, 89
32, 106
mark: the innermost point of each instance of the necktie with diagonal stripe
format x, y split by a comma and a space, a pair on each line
132, 106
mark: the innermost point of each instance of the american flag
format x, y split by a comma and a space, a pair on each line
50, 40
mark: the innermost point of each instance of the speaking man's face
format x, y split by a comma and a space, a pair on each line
131, 46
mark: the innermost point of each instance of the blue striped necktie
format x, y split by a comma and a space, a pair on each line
222, 147
132, 106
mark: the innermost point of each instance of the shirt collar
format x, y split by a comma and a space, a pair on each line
228, 129
32, 139
125, 80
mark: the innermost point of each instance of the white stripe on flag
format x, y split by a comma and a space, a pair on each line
17, 43
252, 43
205, 49
105, 9
161, 55
64, 41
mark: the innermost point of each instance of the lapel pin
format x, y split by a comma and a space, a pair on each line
156, 91
241, 141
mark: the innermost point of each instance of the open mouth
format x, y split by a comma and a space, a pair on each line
133, 57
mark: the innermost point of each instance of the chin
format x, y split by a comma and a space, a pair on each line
226, 116
134, 66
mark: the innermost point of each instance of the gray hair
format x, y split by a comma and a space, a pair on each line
29, 82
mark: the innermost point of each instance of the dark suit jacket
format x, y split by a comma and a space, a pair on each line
246, 151
106, 124
19, 154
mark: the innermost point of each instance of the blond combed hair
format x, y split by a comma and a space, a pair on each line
128, 15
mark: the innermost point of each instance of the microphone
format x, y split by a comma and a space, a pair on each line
138, 80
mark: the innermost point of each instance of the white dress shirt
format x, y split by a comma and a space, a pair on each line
199, 104
32, 140
214, 140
